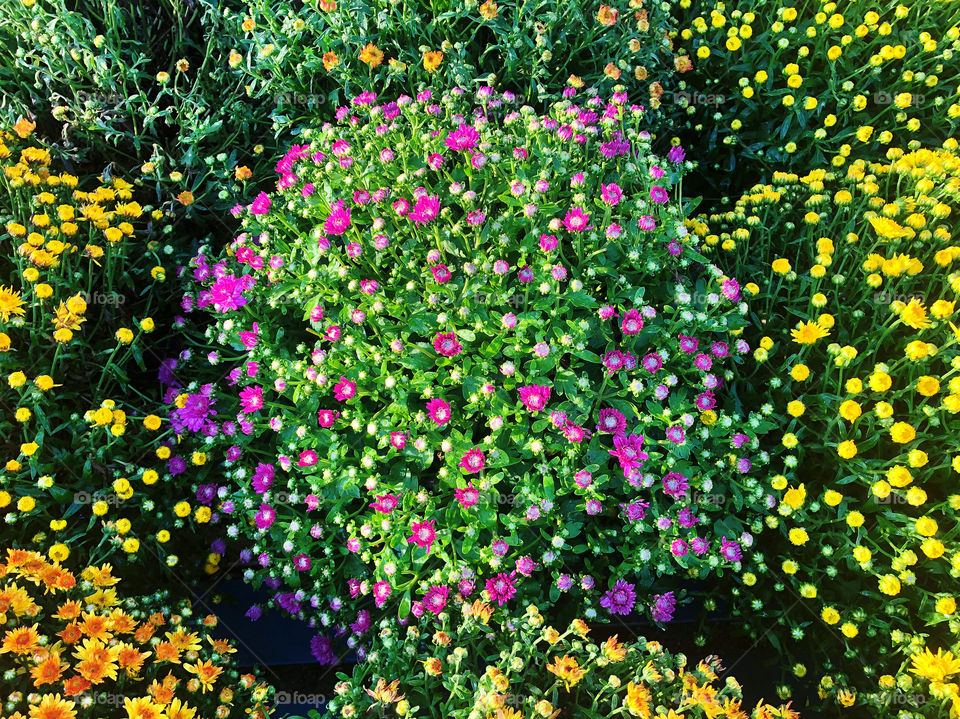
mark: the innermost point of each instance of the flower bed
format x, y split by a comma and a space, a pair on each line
459, 358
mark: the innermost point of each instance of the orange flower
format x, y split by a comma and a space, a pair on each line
71, 634
614, 650
21, 640
371, 54
243, 173
185, 198
143, 633
248, 24
23, 127
489, 10
184, 641
221, 646
432, 60
567, 669
101, 576
142, 708
480, 610
166, 652
432, 666
131, 659
328, 5
206, 673
68, 610
638, 700
607, 15
120, 622
95, 626
97, 661
53, 706
75, 685
681, 63
17, 599
48, 671
612, 71
330, 60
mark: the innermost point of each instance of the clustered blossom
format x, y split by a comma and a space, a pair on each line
431, 352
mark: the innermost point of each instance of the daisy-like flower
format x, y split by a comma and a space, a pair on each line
473, 461
11, 304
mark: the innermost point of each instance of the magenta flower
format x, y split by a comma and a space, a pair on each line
308, 458
658, 194
629, 451
473, 461
344, 389
676, 434
468, 496
338, 222
632, 322
251, 399
398, 440
501, 588
301, 563
525, 566
535, 397
611, 194
663, 607
436, 598
688, 344
385, 503
620, 599
423, 535
265, 516
326, 417
261, 204
463, 138
426, 209
576, 220
439, 411
381, 591
730, 550
446, 344
548, 243
612, 421
441, 273
652, 362
675, 485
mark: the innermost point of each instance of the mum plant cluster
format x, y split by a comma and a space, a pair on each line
411, 316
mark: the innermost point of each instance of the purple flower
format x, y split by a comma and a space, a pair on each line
620, 599
663, 607
612, 421
322, 649
730, 550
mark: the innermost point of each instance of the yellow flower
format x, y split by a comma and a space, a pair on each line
887, 228
796, 408
830, 615
902, 433
849, 630
928, 386
914, 315
781, 266
889, 585
795, 497
800, 372
880, 381
432, 60
807, 333
935, 667
10, 303
847, 449
124, 336
850, 410
926, 527
855, 519
946, 605
371, 55
832, 497
798, 536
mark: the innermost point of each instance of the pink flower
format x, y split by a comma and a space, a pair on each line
308, 458
632, 323
439, 411
265, 516
249, 339
548, 243
436, 598
658, 194
501, 588
468, 496
398, 440
611, 194
423, 535
385, 503
251, 399
338, 221
426, 209
576, 220
344, 389
535, 397
463, 138
261, 204
646, 223
473, 461
381, 591
326, 417
446, 344
441, 273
